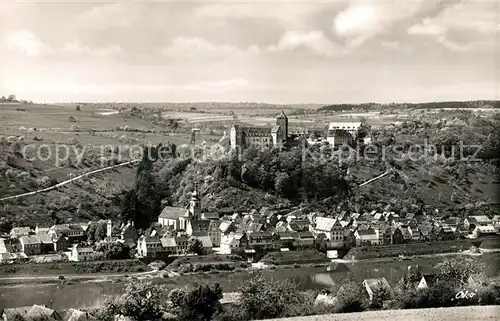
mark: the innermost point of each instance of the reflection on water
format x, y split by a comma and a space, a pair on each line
91, 295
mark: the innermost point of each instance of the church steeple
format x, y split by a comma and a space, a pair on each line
194, 203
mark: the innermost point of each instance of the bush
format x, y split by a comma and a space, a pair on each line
380, 295
488, 295
351, 298
264, 298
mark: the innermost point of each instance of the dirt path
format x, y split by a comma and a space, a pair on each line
482, 313
89, 276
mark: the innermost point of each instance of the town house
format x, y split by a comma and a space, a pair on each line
260, 239
128, 234
303, 239
471, 222
332, 229
233, 242
30, 245
149, 245
366, 237
214, 233
81, 253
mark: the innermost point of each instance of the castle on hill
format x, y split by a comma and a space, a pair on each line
242, 137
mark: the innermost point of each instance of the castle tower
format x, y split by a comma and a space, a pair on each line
195, 204
282, 121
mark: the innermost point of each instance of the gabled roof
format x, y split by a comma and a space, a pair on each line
325, 223
211, 216
260, 234
30, 239
214, 225
168, 242
478, 219
257, 131
38, 311
305, 235
206, 241
46, 238
77, 315
174, 213
11, 313
20, 230
200, 224
225, 225
286, 236
367, 232
374, 283
254, 227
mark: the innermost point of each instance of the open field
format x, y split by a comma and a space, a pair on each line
482, 313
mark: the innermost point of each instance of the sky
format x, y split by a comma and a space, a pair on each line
274, 51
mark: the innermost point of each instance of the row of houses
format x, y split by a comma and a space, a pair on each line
264, 229
70, 239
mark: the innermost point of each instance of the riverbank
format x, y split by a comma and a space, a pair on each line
413, 257
87, 293
72, 268
410, 249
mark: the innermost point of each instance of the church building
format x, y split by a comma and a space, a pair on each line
180, 218
188, 219
243, 137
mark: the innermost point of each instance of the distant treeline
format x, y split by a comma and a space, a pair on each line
431, 105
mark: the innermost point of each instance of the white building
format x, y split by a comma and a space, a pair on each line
81, 253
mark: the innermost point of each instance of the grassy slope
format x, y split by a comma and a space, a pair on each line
52, 125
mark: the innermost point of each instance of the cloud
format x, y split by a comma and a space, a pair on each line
196, 47
361, 21
396, 46
427, 28
112, 15
76, 48
286, 12
452, 45
25, 42
314, 41
465, 26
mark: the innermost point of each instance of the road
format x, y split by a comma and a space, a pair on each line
95, 276
480, 313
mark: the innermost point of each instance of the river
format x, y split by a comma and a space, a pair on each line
92, 294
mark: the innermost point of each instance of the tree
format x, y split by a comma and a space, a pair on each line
195, 246
91, 229
380, 294
351, 298
264, 298
141, 301
199, 303
147, 198
100, 231
11, 98
113, 250
458, 270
